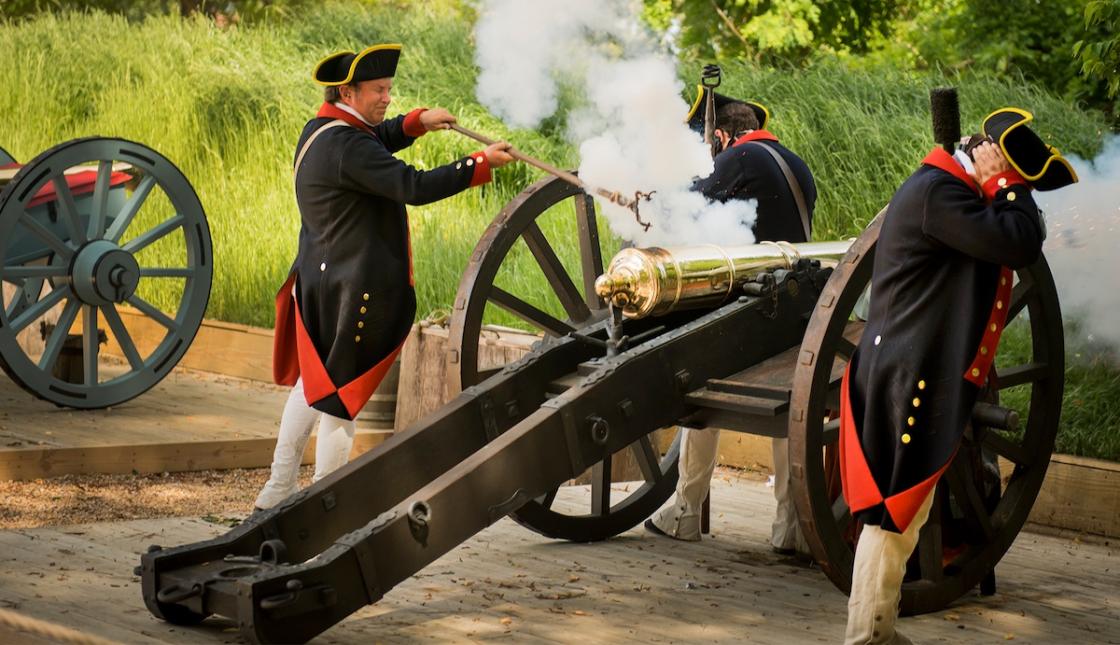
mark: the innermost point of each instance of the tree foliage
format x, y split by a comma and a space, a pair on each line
1099, 51
772, 31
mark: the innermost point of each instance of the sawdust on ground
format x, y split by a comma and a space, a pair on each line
223, 496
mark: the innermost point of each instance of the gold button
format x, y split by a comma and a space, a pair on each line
1010, 197
365, 296
362, 310
983, 351
999, 304
905, 438
916, 401
921, 385
1002, 281
910, 421
361, 324
470, 162
975, 372
357, 339
1002, 182
992, 327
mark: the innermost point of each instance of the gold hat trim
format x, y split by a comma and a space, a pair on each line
353, 63
1055, 155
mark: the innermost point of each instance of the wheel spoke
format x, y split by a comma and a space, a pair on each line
548, 498
89, 345
68, 209
601, 487
29, 257
590, 251
487, 373
1022, 374
151, 312
929, 542
46, 235
648, 461
35, 311
529, 313
131, 207
1006, 448
963, 486
166, 272
830, 432
138, 244
124, 339
1021, 296
16, 304
59, 335
37, 271
557, 276
100, 199
841, 514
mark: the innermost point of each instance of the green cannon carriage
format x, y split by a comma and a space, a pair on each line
86, 228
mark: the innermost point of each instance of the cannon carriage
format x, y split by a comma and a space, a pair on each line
87, 228
763, 354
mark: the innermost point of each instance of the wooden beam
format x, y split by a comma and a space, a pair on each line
42, 462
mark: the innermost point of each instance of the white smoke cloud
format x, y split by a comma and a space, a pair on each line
630, 128
1083, 222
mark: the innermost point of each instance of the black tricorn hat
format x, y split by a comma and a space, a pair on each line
695, 118
1041, 165
342, 68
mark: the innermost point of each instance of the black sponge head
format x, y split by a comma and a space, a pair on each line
946, 112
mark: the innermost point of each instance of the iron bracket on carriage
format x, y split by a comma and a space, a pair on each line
89, 230
753, 339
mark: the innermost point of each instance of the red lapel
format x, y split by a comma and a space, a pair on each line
328, 110
755, 135
942, 160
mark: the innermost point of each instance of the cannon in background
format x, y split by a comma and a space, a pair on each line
766, 358
85, 228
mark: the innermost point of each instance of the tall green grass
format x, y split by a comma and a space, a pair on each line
228, 106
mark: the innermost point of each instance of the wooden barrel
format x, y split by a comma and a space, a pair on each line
381, 410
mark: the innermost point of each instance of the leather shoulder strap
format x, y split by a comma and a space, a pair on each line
794, 187
307, 145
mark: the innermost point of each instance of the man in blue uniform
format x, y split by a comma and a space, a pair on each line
349, 300
752, 164
943, 270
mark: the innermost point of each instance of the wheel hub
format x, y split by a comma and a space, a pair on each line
104, 273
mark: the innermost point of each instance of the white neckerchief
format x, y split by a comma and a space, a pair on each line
346, 108
960, 157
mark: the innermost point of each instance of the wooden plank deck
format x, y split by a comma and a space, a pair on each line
508, 584
189, 421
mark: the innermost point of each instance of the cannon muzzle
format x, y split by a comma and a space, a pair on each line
655, 281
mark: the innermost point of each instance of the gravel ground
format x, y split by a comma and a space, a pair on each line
224, 496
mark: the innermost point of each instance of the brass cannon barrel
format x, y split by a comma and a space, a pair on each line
655, 281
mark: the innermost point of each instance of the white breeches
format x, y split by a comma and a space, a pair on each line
332, 447
877, 581
699, 453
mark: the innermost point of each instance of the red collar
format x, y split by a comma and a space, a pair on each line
755, 135
942, 160
328, 110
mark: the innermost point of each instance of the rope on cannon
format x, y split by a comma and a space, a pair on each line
50, 631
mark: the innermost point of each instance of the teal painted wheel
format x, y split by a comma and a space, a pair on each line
106, 237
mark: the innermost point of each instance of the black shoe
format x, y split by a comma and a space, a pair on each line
781, 550
653, 528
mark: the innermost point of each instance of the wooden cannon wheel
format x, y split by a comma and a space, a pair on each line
86, 227
972, 525
556, 207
